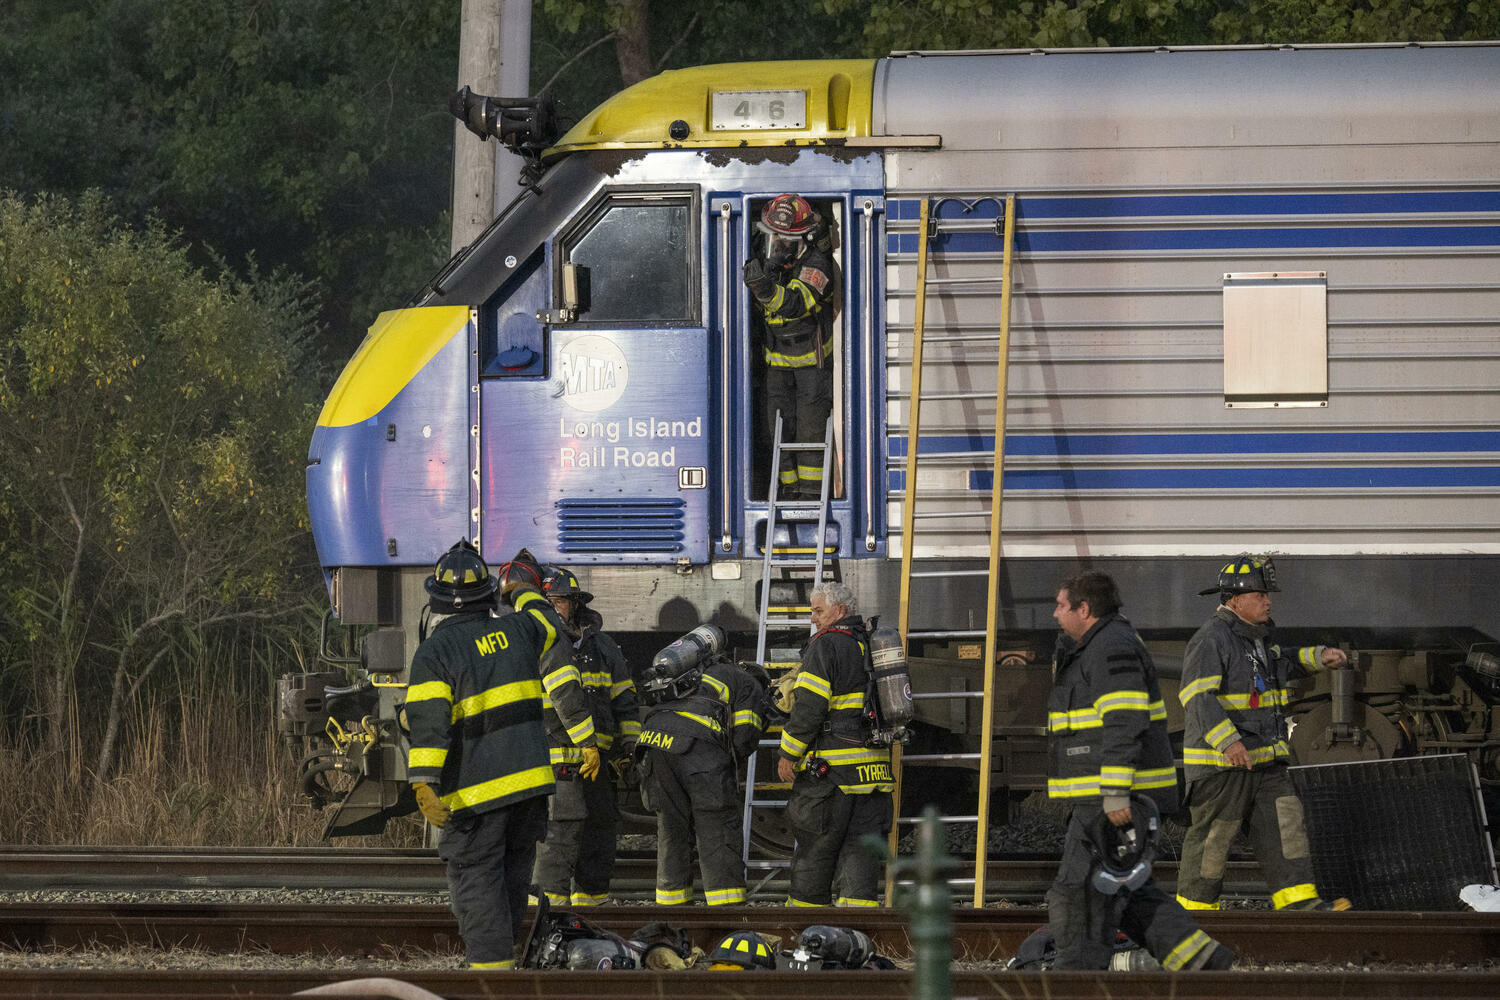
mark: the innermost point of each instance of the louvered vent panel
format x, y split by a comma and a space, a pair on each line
620, 525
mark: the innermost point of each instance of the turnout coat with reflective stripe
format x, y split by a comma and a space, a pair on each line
474, 705
1222, 700
606, 681
799, 314
828, 711
1106, 722
565, 704
728, 709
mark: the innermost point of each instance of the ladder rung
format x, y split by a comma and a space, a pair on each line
807, 445
947, 694
938, 756
768, 865
951, 881
913, 820
770, 803
939, 573
780, 620
968, 633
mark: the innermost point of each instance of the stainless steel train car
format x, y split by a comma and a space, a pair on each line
1255, 306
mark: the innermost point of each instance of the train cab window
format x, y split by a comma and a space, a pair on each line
629, 262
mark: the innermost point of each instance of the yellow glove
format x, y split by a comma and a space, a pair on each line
432, 807
590, 767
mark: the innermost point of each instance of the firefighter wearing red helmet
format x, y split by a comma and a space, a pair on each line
795, 284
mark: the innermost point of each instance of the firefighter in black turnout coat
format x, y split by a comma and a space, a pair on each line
1107, 743
687, 752
478, 760
574, 864
795, 283
841, 786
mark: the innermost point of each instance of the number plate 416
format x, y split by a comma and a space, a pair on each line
759, 109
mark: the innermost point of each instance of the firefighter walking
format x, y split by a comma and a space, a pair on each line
841, 786
478, 761
574, 864
1234, 749
1108, 752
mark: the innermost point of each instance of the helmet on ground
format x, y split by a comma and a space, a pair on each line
1125, 852
742, 950
788, 215
558, 581
460, 579
1245, 574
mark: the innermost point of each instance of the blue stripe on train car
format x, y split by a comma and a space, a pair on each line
1314, 237
1223, 444
1231, 478
1142, 206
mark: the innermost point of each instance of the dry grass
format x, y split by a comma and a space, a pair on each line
203, 767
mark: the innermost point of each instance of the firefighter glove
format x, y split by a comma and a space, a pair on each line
432, 807
590, 767
760, 282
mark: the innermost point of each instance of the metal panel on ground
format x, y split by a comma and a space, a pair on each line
1401, 834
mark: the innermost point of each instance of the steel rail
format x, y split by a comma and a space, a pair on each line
989, 935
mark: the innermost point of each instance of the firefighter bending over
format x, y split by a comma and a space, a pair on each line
478, 760
574, 864
841, 784
795, 283
703, 713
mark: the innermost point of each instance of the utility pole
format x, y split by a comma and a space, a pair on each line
494, 57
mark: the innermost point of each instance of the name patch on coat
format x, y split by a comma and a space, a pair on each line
655, 739
814, 279
1078, 751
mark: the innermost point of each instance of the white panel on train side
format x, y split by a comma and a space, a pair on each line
1143, 179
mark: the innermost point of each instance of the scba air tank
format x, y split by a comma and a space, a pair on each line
690, 651
892, 682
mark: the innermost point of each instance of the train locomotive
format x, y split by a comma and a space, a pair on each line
1254, 306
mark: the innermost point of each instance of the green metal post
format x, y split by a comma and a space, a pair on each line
932, 911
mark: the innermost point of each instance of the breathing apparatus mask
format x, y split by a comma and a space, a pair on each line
1124, 853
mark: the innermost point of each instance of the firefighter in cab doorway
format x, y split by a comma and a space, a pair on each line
795, 283
703, 713
574, 864
840, 772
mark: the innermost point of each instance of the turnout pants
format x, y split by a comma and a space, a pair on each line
694, 793
828, 825
574, 864
489, 858
1261, 802
1084, 921
805, 398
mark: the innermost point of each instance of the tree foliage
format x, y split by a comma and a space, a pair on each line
152, 426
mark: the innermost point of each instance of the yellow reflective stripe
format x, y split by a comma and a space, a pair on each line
855, 700
1222, 736
855, 901
630, 727
702, 720
559, 677
1193, 904
429, 691
583, 732
855, 755
1078, 718
557, 898
779, 360
1155, 777
1186, 950
867, 788
813, 473
720, 688
589, 899
1199, 686
775, 302
1241, 702
421, 757
565, 755
538, 614
747, 717
672, 897
811, 682
1116, 701
620, 687
809, 298
723, 897
791, 746
794, 901
1293, 894
1308, 657
1213, 758
505, 694
1073, 788
508, 963
595, 679
604, 740
1116, 775
499, 788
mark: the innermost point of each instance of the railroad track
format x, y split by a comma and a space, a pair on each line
75, 985
148, 869
987, 935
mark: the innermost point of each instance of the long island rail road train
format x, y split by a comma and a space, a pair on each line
1233, 299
